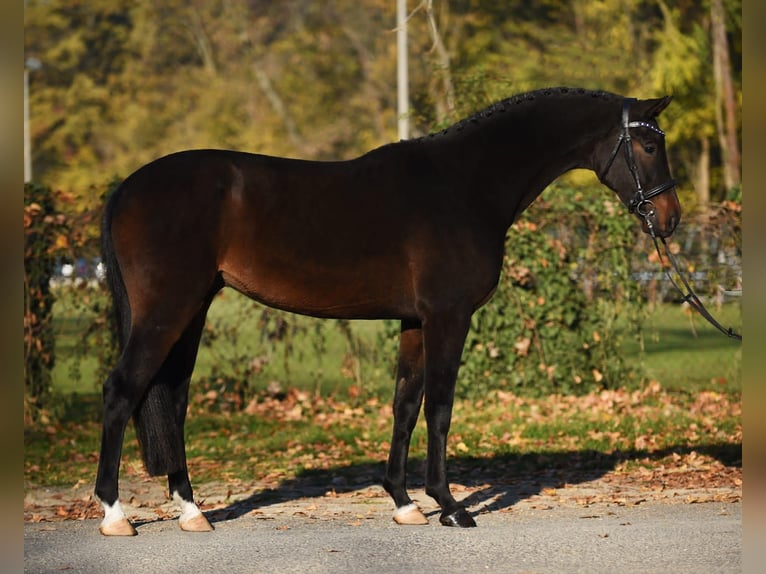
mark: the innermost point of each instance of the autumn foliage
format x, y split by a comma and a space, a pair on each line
44, 237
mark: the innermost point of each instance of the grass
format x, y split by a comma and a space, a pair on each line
685, 353
694, 405
73, 312
678, 348
311, 356
328, 435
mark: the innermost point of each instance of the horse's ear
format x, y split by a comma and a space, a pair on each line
653, 107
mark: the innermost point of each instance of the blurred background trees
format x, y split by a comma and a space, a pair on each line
123, 82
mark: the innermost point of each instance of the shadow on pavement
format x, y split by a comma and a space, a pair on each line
506, 479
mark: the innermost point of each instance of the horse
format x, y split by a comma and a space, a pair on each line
412, 231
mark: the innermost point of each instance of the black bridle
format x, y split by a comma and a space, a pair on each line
641, 202
642, 205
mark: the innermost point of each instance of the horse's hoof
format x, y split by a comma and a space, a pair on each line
460, 518
197, 524
410, 515
119, 527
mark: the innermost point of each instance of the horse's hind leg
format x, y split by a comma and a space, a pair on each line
407, 400
137, 387
144, 353
177, 371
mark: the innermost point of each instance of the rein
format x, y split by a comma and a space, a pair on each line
690, 296
642, 205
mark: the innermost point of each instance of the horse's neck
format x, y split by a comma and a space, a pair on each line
521, 151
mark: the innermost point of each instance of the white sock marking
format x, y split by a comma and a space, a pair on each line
188, 509
112, 513
405, 509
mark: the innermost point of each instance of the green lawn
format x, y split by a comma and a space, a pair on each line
680, 350
685, 353
310, 357
305, 433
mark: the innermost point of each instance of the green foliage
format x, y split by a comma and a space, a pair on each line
122, 83
251, 348
54, 233
98, 342
44, 236
551, 326
88, 298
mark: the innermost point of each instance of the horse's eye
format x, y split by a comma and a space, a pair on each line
650, 149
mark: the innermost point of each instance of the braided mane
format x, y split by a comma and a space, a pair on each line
516, 100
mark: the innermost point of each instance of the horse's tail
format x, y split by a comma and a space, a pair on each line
120, 306
160, 438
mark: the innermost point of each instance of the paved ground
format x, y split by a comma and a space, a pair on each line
588, 528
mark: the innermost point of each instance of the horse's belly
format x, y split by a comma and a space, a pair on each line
354, 291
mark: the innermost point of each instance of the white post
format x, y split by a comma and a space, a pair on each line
31, 64
401, 69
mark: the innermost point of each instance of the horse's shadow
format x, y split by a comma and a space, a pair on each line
507, 479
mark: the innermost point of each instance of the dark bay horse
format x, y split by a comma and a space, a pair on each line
412, 231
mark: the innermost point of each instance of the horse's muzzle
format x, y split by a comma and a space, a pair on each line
659, 215
660, 225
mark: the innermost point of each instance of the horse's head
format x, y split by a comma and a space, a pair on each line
635, 166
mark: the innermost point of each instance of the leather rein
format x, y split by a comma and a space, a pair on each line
642, 205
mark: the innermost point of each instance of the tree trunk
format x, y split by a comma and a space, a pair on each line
726, 107
277, 104
196, 30
702, 175
445, 105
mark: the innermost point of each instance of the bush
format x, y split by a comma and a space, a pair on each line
53, 236
43, 236
551, 325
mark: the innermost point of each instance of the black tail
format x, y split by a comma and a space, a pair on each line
160, 437
120, 305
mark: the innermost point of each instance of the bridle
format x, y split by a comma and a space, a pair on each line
641, 202
642, 205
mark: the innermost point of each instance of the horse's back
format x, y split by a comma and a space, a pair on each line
313, 237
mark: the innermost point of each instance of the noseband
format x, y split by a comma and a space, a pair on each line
641, 202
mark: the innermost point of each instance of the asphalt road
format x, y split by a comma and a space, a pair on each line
650, 537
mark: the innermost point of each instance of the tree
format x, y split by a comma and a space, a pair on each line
726, 106
125, 82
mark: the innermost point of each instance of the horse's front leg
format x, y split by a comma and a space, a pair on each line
407, 400
443, 338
